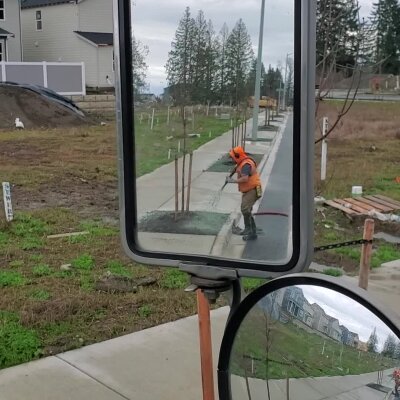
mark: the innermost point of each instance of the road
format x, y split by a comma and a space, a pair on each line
342, 94
272, 244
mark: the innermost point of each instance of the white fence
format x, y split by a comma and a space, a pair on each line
63, 78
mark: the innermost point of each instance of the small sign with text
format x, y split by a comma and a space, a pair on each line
7, 202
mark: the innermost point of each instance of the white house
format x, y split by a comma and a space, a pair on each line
10, 30
71, 31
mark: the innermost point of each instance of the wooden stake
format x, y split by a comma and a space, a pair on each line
189, 181
169, 109
152, 120
366, 253
207, 368
176, 188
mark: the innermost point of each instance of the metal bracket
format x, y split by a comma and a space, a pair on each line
213, 281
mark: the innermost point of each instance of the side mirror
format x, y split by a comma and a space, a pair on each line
308, 337
222, 110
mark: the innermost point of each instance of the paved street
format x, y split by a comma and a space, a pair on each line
273, 243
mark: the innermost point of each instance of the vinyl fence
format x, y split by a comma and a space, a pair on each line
63, 78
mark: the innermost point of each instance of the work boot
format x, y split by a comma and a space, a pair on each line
252, 235
247, 225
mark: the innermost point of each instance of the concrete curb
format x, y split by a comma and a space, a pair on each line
224, 235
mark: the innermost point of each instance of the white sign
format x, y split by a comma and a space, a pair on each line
7, 201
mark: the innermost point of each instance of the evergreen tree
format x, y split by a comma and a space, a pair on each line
386, 21
397, 351
337, 35
199, 60
239, 54
366, 54
211, 58
139, 53
272, 81
180, 64
372, 343
389, 347
251, 80
222, 64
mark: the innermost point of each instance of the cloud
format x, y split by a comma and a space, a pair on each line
155, 23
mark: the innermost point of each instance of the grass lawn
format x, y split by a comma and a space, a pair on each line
363, 150
289, 351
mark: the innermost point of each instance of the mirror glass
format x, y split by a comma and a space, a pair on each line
309, 342
197, 84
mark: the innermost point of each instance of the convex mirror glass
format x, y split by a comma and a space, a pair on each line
310, 342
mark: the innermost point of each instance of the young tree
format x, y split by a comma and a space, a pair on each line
239, 54
372, 343
211, 66
139, 53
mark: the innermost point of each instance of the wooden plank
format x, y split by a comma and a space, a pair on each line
378, 207
340, 207
379, 201
358, 210
357, 203
388, 199
63, 235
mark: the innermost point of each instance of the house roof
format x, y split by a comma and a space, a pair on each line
40, 3
4, 33
98, 38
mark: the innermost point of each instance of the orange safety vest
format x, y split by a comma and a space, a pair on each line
254, 177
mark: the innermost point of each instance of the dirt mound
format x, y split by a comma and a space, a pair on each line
34, 110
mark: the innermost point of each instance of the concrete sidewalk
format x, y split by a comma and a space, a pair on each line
156, 193
157, 363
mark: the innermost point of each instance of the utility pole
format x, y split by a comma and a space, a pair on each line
258, 74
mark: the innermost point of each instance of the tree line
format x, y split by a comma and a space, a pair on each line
345, 41
220, 68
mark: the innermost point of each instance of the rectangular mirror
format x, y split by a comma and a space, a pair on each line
216, 108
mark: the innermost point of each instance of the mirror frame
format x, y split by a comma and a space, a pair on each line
303, 150
235, 321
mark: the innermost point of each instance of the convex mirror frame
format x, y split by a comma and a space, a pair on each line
279, 286
303, 115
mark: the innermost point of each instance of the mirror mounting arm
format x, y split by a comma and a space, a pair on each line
213, 281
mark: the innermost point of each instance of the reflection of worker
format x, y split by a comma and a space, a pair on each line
396, 377
249, 183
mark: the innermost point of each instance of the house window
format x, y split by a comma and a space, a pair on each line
1, 51
39, 20
2, 11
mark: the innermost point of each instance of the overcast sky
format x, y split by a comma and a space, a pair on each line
351, 314
155, 23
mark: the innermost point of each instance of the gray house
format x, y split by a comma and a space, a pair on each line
10, 31
71, 31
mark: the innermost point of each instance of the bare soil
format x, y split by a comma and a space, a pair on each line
34, 111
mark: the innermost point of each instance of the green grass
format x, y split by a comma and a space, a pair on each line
249, 284
4, 238
152, 145
145, 311
96, 228
16, 263
41, 270
294, 352
26, 226
352, 252
11, 278
333, 272
86, 282
385, 253
40, 294
17, 344
117, 268
36, 258
83, 262
174, 279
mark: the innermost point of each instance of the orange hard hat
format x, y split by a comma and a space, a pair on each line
237, 154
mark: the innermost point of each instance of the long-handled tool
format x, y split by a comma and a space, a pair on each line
230, 176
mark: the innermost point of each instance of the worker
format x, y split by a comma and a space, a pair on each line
249, 184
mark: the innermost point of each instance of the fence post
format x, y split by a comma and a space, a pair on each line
45, 83
366, 252
3, 71
324, 150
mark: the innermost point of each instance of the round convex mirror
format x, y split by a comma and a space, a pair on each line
311, 342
